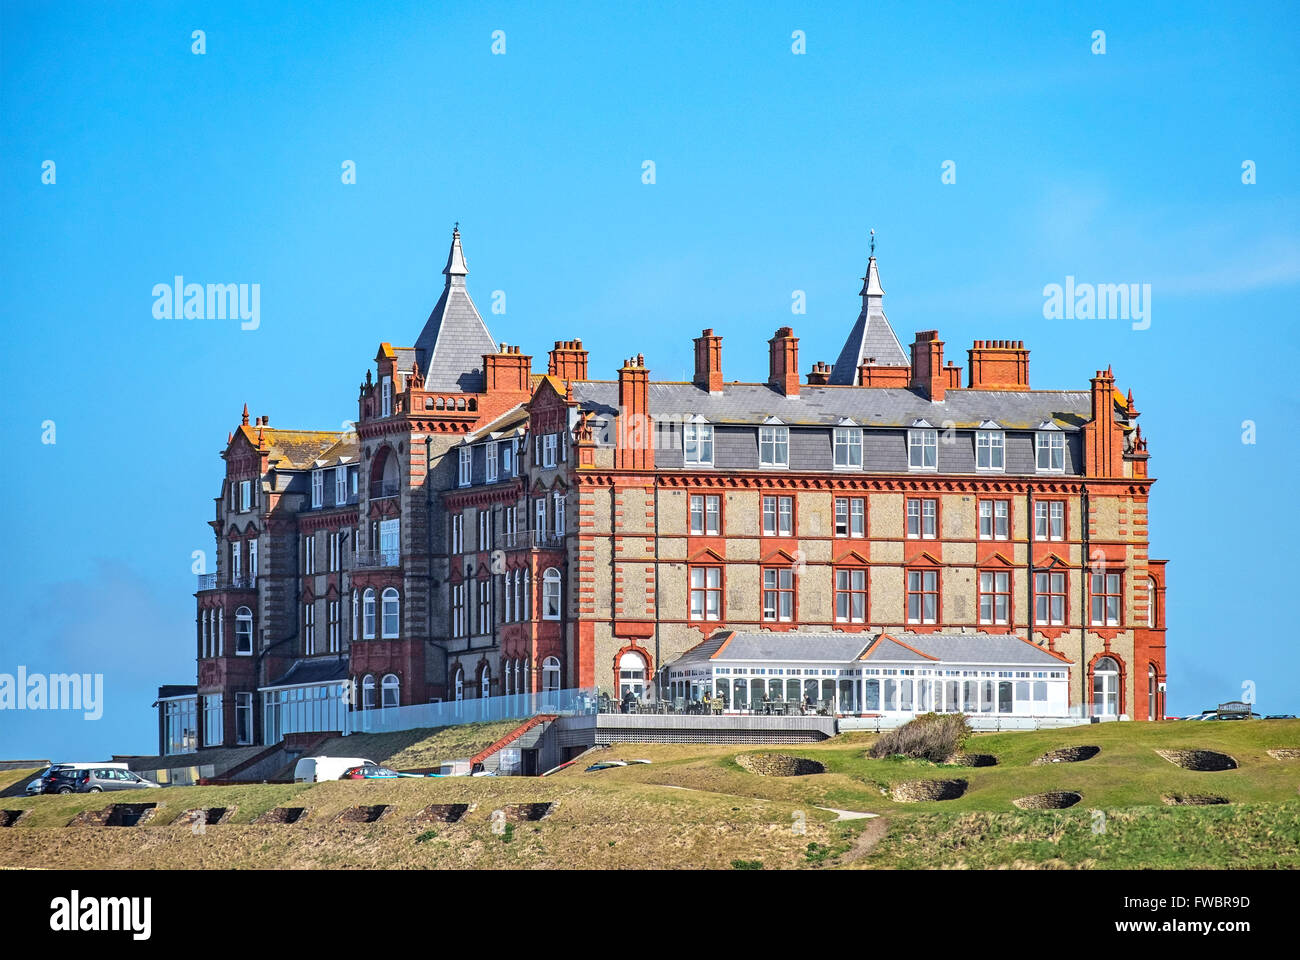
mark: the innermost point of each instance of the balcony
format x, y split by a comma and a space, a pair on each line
523, 539
382, 491
378, 558
210, 581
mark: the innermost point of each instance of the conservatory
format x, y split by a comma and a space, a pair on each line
847, 674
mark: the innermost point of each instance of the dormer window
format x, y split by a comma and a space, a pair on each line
774, 445
317, 488
385, 396
990, 453
464, 460
491, 468
922, 447
1049, 446
697, 443
340, 485
245, 494
848, 448
507, 457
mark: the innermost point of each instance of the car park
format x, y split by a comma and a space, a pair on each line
61, 777
318, 769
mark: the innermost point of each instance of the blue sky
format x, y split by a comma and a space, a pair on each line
771, 168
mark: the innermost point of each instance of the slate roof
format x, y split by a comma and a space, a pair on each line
872, 338
751, 403
798, 647
327, 670
293, 448
450, 348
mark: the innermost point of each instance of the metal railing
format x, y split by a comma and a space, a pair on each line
378, 558
381, 491
449, 713
524, 539
210, 581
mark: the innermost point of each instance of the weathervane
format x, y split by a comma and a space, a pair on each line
873, 242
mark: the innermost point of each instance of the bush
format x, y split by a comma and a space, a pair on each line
930, 736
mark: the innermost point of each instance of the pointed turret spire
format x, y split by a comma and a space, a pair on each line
245, 420
872, 339
456, 265
451, 346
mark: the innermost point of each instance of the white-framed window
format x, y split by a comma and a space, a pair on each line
1105, 688
850, 595
340, 485
385, 396
457, 533
989, 450
484, 528
922, 596
390, 541
317, 488
550, 446
778, 516
1049, 520
368, 692
631, 675
850, 517
356, 616
1106, 598
559, 513
1049, 599
309, 553
245, 495
490, 468
507, 458
213, 721
539, 514
995, 519
368, 613
848, 448
390, 610
243, 632
332, 545
391, 690
923, 519
353, 475
252, 561
923, 449
706, 593
309, 628
705, 514
232, 498
484, 607
460, 684
1049, 446
995, 596
1151, 602
236, 561
778, 594
332, 611
774, 446
464, 463
221, 632
551, 594
697, 444
550, 674
243, 718
459, 625
512, 525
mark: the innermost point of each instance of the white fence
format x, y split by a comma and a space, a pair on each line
478, 710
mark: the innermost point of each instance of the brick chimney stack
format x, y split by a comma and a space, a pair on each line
708, 361
507, 370
1103, 437
820, 374
568, 360
999, 365
783, 368
927, 365
634, 440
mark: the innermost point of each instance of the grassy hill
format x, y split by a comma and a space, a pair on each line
696, 806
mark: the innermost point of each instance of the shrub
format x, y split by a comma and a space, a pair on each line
930, 736
747, 864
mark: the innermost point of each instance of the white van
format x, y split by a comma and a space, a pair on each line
316, 769
36, 785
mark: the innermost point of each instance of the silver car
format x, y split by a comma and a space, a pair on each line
101, 780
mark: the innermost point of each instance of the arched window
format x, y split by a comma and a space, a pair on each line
1105, 688
550, 674
485, 683
507, 680
368, 613
460, 684
1153, 693
244, 631
551, 594
356, 615
390, 613
368, 692
631, 675
392, 690
383, 476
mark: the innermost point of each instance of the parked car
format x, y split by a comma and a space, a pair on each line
61, 777
102, 779
318, 769
376, 772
